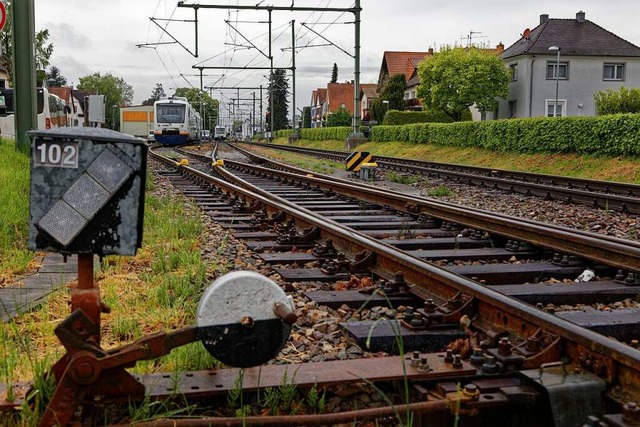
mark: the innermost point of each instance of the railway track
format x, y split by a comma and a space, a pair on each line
481, 274
462, 302
602, 194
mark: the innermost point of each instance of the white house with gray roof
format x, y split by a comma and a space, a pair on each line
591, 59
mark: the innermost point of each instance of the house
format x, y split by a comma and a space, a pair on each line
568, 60
368, 94
318, 106
339, 95
74, 99
394, 63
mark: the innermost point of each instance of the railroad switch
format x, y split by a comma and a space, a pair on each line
244, 319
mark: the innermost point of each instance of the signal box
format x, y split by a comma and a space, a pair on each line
87, 191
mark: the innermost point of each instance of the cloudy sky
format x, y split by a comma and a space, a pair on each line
101, 36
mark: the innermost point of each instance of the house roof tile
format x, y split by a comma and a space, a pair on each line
402, 62
369, 89
574, 37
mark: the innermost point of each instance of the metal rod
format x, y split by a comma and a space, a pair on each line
299, 420
271, 8
356, 88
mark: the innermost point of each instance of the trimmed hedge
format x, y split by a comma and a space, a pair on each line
319, 134
395, 117
613, 135
284, 133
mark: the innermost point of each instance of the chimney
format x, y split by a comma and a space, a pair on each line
544, 18
580, 16
431, 51
500, 48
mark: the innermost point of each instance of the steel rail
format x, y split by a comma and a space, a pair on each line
623, 254
494, 309
614, 187
605, 194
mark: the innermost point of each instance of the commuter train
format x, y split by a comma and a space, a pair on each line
175, 122
52, 111
219, 133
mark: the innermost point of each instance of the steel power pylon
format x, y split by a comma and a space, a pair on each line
355, 10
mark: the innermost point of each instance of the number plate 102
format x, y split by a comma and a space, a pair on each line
56, 155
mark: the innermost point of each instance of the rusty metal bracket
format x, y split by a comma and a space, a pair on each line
86, 370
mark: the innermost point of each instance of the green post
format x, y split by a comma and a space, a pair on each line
356, 136
24, 72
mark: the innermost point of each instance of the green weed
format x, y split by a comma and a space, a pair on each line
402, 178
441, 191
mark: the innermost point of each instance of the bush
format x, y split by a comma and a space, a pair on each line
613, 135
395, 117
617, 102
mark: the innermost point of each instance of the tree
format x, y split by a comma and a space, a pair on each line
340, 117
55, 77
455, 79
334, 74
209, 111
156, 95
42, 49
116, 92
306, 117
394, 92
279, 89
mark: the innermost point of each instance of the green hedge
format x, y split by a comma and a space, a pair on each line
284, 133
318, 134
395, 117
614, 135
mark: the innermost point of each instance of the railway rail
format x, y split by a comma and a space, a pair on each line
511, 329
602, 194
451, 268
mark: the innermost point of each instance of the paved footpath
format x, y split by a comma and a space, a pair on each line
53, 274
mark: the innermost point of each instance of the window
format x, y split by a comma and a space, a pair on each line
563, 73
512, 109
412, 95
559, 108
613, 72
406, 95
514, 72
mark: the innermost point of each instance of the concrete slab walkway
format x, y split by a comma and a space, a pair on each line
53, 274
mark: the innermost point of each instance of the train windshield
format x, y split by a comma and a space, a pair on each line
6, 100
170, 113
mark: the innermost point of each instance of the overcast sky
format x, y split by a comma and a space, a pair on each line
101, 36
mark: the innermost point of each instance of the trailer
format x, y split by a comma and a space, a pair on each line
136, 120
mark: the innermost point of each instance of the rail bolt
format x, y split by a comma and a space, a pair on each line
504, 347
448, 357
415, 359
471, 391
430, 306
490, 367
424, 365
631, 413
477, 357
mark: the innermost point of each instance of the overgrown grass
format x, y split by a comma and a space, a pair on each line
156, 290
441, 191
14, 210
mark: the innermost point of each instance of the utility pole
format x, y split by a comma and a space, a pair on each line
24, 72
270, 82
294, 135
